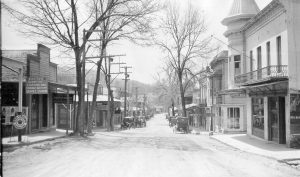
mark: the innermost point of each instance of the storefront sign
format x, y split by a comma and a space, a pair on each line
37, 85
62, 98
100, 106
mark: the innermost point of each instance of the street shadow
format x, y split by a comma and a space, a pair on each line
262, 144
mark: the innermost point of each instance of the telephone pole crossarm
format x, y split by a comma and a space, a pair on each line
108, 56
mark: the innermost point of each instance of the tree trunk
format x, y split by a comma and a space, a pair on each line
182, 95
92, 109
80, 94
112, 111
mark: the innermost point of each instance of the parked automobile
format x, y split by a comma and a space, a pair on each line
127, 123
172, 121
141, 121
182, 125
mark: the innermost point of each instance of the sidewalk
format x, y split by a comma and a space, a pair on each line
261, 147
33, 138
8, 142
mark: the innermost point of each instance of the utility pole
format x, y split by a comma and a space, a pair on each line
136, 99
90, 118
144, 104
110, 94
136, 95
125, 96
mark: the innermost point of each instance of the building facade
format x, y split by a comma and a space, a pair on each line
39, 88
264, 65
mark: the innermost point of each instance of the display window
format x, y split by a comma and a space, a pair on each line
233, 118
258, 113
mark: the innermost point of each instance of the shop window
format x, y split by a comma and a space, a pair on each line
233, 118
258, 113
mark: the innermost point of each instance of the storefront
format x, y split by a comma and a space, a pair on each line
268, 110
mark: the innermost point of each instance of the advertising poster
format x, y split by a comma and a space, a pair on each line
8, 113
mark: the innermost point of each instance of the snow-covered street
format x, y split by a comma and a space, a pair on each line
152, 151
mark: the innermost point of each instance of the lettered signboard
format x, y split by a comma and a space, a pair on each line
37, 85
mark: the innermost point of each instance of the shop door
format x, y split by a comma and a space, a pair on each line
282, 135
62, 116
45, 111
273, 118
277, 119
35, 112
99, 119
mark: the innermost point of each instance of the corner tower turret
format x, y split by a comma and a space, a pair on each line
240, 12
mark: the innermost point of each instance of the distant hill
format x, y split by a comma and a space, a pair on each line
67, 76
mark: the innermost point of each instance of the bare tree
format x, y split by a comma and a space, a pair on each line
133, 25
184, 43
167, 86
61, 23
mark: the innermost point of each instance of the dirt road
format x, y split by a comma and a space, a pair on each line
153, 151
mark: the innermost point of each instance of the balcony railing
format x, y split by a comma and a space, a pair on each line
269, 72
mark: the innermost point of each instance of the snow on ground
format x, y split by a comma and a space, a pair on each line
153, 151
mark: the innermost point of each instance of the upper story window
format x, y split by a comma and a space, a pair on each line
279, 59
259, 71
268, 48
251, 60
259, 57
237, 64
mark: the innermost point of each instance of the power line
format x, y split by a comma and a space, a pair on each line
232, 47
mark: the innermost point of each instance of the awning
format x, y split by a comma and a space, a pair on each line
268, 89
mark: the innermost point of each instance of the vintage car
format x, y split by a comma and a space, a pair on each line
141, 121
182, 125
127, 123
172, 121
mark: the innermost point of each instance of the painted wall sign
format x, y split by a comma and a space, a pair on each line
37, 85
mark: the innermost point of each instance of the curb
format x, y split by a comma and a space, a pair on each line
234, 147
7, 146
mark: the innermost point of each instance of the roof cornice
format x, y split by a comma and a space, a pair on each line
272, 5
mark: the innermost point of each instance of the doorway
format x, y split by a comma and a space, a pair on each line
276, 107
35, 112
45, 110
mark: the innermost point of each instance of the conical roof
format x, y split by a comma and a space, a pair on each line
241, 9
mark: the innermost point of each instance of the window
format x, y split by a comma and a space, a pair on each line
251, 61
279, 62
268, 57
259, 72
237, 64
233, 118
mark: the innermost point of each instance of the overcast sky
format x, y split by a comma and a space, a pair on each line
146, 61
